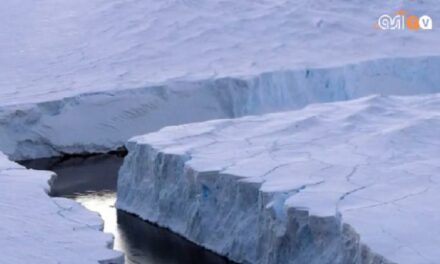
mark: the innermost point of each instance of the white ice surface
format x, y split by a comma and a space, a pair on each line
84, 76
54, 49
35, 228
249, 187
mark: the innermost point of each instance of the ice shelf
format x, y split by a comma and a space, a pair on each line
57, 49
345, 182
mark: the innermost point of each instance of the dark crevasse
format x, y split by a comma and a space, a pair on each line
91, 180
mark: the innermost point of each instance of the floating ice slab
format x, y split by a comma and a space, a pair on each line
346, 182
35, 228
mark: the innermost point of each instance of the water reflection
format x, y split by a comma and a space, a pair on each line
162, 246
81, 175
92, 182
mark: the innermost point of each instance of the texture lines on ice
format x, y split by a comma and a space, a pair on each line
57, 49
346, 182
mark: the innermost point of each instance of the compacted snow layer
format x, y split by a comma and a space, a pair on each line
103, 121
345, 182
35, 228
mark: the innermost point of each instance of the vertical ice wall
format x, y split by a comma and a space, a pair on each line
230, 215
103, 121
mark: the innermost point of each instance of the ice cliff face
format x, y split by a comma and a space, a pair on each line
348, 182
38, 229
103, 121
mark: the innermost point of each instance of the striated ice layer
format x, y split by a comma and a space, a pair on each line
38, 229
345, 182
103, 121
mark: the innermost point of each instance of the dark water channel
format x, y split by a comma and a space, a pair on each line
92, 182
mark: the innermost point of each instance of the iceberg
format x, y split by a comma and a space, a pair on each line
341, 182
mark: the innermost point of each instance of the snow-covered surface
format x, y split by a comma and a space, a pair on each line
343, 182
54, 49
35, 228
84, 76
